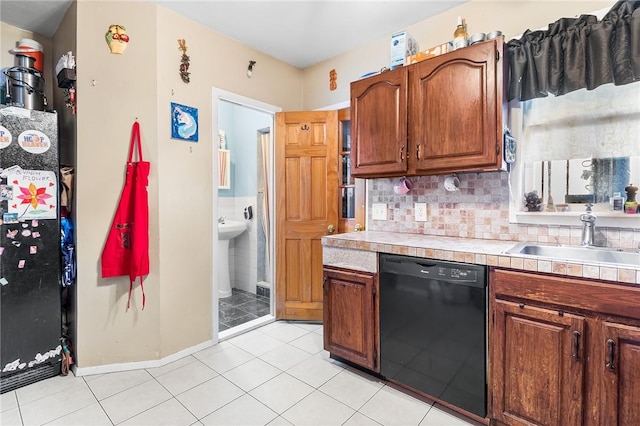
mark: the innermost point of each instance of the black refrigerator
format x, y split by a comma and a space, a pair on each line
30, 301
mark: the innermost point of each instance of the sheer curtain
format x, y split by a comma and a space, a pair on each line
577, 53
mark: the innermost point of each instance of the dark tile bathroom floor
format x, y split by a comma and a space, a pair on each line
241, 307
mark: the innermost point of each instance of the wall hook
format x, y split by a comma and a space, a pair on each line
305, 127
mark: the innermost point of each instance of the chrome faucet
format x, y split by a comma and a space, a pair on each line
588, 226
221, 219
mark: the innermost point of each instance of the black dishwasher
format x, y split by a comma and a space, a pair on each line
433, 328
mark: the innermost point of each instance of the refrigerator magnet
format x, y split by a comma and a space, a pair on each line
21, 264
6, 192
33, 249
36, 194
34, 141
10, 218
3, 281
5, 137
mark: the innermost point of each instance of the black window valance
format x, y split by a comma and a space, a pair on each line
577, 53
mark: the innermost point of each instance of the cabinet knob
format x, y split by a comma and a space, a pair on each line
331, 229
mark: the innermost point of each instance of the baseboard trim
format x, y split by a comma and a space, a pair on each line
138, 365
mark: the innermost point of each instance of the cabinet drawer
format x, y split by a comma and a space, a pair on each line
607, 298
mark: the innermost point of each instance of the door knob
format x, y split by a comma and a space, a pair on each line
331, 229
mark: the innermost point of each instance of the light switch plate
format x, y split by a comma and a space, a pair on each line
421, 212
379, 211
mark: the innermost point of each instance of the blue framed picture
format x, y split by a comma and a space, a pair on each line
184, 122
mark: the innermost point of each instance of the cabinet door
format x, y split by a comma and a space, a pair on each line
620, 375
537, 365
455, 111
350, 330
379, 124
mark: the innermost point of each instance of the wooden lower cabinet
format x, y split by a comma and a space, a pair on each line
351, 316
534, 381
563, 351
620, 375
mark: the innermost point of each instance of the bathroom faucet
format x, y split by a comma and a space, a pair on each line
221, 219
588, 226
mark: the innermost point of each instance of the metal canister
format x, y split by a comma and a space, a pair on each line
25, 88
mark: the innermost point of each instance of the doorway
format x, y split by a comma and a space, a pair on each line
243, 184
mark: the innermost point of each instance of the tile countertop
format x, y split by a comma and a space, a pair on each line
342, 250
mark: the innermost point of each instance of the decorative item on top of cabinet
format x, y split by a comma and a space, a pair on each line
350, 316
437, 116
563, 351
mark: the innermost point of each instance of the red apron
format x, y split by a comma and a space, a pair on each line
126, 251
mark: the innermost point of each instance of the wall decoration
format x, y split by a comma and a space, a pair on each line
184, 122
250, 68
117, 39
184, 61
333, 80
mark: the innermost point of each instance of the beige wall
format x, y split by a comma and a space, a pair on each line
509, 16
186, 220
112, 91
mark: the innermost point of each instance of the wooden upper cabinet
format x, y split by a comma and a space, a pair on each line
455, 112
439, 115
379, 124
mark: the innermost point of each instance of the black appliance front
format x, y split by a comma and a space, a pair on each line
433, 329
30, 266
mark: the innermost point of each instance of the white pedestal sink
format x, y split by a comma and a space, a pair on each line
226, 232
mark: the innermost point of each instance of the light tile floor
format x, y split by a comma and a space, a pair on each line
277, 374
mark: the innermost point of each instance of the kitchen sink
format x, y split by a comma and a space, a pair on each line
578, 253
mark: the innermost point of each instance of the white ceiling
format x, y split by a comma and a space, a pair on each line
298, 32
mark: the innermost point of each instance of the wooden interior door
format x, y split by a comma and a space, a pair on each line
306, 208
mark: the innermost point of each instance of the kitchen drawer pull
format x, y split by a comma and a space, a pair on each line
611, 353
576, 345
402, 153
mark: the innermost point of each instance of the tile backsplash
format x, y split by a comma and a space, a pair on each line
480, 209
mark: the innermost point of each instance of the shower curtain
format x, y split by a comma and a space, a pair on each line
264, 140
